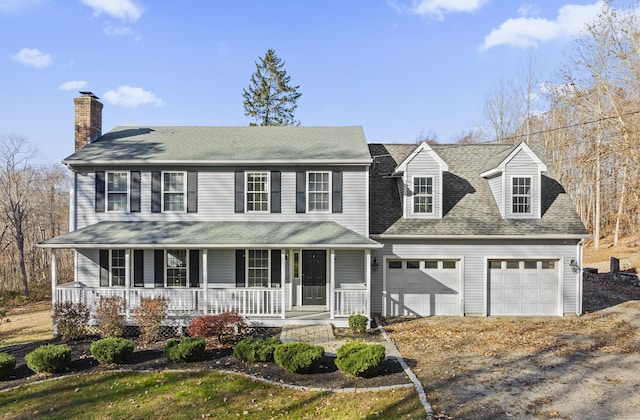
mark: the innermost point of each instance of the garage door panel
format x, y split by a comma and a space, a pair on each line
422, 291
522, 289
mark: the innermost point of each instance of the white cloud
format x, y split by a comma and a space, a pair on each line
131, 97
438, 8
527, 32
115, 30
125, 10
73, 85
32, 57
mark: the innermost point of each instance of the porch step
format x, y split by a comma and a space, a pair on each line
318, 335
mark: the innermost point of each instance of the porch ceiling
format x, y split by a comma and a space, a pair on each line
143, 234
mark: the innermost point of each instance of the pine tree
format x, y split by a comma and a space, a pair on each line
270, 100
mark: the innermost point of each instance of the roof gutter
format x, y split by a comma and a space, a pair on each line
207, 246
278, 162
417, 237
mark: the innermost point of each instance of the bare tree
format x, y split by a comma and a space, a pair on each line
502, 110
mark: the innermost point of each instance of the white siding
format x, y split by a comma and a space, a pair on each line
423, 165
496, 186
349, 267
216, 200
474, 254
89, 268
221, 270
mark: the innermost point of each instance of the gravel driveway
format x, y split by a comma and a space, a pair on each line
585, 367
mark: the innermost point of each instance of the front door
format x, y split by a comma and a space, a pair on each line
314, 277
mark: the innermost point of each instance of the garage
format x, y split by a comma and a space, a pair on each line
422, 287
523, 287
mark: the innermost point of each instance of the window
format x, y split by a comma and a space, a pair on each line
413, 264
530, 265
431, 264
423, 195
521, 195
176, 264
395, 264
258, 268
495, 265
257, 191
173, 191
548, 265
296, 265
448, 264
513, 265
319, 191
117, 191
117, 269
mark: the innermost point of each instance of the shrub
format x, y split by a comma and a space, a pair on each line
360, 359
298, 357
71, 319
188, 349
358, 324
112, 350
49, 358
110, 317
219, 325
150, 314
256, 350
7, 363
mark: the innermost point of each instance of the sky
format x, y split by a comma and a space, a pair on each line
401, 69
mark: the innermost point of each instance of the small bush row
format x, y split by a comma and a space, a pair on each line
188, 349
256, 350
112, 350
360, 359
7, 363
49, 358
218, 326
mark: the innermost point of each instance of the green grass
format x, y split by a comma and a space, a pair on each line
189, 395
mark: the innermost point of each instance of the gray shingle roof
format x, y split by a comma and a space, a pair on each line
469, 207
225, 145
212, 234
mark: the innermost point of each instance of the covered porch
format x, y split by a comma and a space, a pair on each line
308, 273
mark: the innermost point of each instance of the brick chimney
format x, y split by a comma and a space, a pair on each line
88, 119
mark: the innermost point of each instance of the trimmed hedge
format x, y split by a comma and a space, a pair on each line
7, 363
188, 349
298, 357
360, 359
112, 350
358, 324
50, 358
256, 350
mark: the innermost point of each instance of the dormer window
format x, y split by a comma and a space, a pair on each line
521, 195
423, 195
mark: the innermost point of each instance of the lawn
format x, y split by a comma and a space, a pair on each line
190, 395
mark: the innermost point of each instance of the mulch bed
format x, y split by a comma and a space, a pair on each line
219, 357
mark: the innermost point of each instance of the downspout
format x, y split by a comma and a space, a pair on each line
579, 248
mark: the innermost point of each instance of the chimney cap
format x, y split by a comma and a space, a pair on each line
90, 94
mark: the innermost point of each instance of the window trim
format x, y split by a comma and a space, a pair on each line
246, 268
513, 196
166, 268
111, 267
426, 194
267, 191
329, 191
107, 192
184, 191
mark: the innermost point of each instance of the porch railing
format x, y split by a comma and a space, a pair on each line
249, 302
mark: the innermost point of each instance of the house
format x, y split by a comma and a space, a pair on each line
312, 224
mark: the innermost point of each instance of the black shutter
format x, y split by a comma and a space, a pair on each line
100, 188
158, 267
156, 192
276, 267
134, 199
138, 268
275, 191
301, 192
239, 192
336, 186
192, 192
194, 268
240, 277
104, 268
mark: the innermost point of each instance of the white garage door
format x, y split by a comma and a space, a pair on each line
523, 287
422, 287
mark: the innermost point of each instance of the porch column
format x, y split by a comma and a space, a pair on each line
367, 279
283, 277
127, 282
332, 284
54, 285
205, 282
